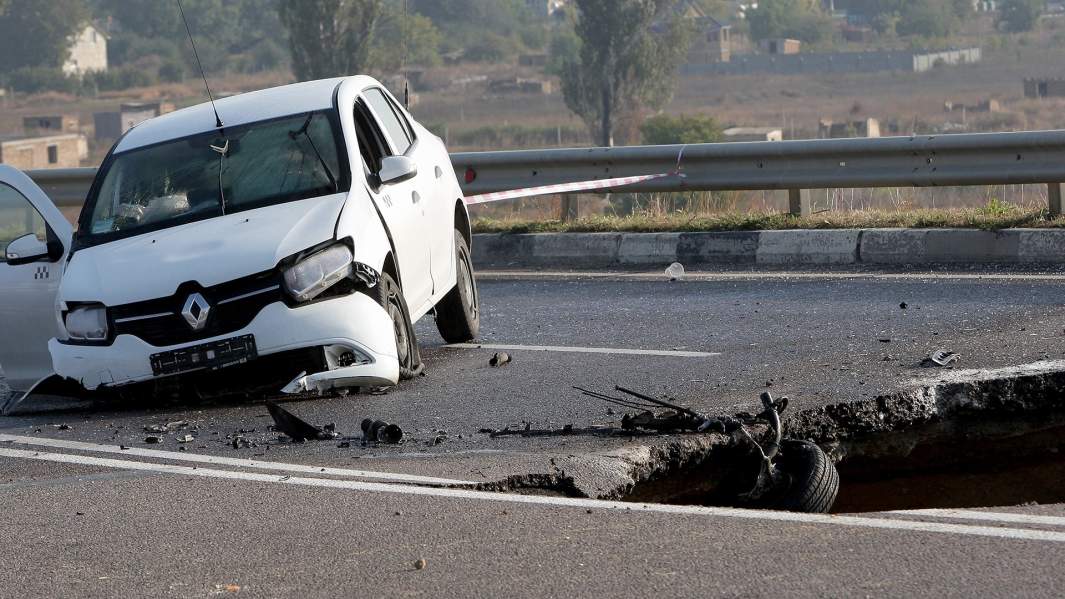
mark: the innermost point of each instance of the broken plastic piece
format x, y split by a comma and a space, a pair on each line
675, 272
941, 358
499, 359
296, 428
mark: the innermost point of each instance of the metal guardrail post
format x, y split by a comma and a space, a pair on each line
1054, 198
799, 202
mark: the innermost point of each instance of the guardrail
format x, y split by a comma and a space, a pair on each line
1036, 157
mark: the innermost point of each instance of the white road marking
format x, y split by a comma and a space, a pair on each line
223, 461
586, 350
374, 487
1012, 518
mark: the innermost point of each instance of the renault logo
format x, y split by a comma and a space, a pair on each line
196, 311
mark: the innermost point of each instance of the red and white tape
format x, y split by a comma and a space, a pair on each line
575, 187
562, 188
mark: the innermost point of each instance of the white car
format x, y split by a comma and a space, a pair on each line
301, 239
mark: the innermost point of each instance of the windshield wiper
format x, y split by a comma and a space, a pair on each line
325, 166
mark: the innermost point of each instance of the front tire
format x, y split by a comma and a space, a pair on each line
390, 297
458, 315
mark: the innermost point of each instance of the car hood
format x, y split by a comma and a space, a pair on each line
208, 252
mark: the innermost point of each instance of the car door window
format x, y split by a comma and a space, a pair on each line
396, 126
18, 218
372, 144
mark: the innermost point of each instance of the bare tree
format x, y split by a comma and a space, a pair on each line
329, 38
627, 61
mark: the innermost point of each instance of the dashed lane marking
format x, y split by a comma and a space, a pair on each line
223, 461
586, 350
375, 487
1011, 518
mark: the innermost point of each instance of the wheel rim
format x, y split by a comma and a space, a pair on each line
469, 292
400, 328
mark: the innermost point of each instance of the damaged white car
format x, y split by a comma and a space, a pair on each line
302, 239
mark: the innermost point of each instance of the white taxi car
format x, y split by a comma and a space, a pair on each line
302, 238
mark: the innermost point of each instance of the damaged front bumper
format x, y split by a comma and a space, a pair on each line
355, 331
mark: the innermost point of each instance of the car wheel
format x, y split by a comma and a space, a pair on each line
458, 315
390, 296
813, 479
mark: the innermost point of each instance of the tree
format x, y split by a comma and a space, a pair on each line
627, 61
797, 19
1020, 15
926, 18
38, 34
409, 39
329, 38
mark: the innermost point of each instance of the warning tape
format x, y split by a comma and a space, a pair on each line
562, 188
575, 187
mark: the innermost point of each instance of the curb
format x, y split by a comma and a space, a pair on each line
790, 247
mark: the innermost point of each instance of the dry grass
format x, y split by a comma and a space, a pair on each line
976, 218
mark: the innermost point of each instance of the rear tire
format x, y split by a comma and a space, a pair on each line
390, 297
458, 315
814, 480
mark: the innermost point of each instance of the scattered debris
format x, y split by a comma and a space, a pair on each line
227, 588
344, 445
420, 564
239, 442
62, 427
165, 428
153, 440
884, 340
675, 272
499, 359
941, 358
903, 306
186, 439
380, 431
296, 428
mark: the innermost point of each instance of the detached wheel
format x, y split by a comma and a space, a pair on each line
813, 481
390, 297
458, 315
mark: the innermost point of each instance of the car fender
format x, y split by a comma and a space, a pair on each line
360, 222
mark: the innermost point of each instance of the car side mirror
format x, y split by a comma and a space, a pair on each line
26, 249
395, 169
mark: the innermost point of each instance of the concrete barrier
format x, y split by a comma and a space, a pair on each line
791, 247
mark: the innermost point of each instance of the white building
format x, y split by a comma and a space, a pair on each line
88, 52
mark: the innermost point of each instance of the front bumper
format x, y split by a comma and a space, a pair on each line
355, 321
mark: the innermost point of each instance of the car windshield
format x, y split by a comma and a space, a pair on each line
213, 174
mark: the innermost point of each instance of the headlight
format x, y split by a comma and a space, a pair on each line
309, 277
87, 323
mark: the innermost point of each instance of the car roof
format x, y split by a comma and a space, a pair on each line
241, 109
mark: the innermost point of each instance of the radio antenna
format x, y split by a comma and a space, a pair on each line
406, 56
217, 119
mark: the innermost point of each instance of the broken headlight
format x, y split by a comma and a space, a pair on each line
308, 278
87, 323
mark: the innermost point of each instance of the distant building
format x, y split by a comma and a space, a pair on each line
532, 60
545, 8
781, 46
1044, 88
753, 134
88, 52
111, 125
712, 41
50, 124
827, 129
517, 85
54, 151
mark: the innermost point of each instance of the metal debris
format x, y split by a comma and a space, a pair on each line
499, 359
380, 431
186, 439
941, 358
295, 427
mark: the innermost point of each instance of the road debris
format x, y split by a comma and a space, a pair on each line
420, 564
941, 358
379, 431
499, 359
239, 442
903, 306
675, 272
298, 429
186, 439
62, 427
153, 440
165, 428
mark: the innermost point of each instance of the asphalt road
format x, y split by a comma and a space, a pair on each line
96, 520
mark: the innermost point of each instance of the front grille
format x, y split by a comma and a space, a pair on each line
233, 306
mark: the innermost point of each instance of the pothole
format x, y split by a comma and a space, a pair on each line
969, 439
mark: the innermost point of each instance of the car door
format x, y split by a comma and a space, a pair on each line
28, 291
402, 203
